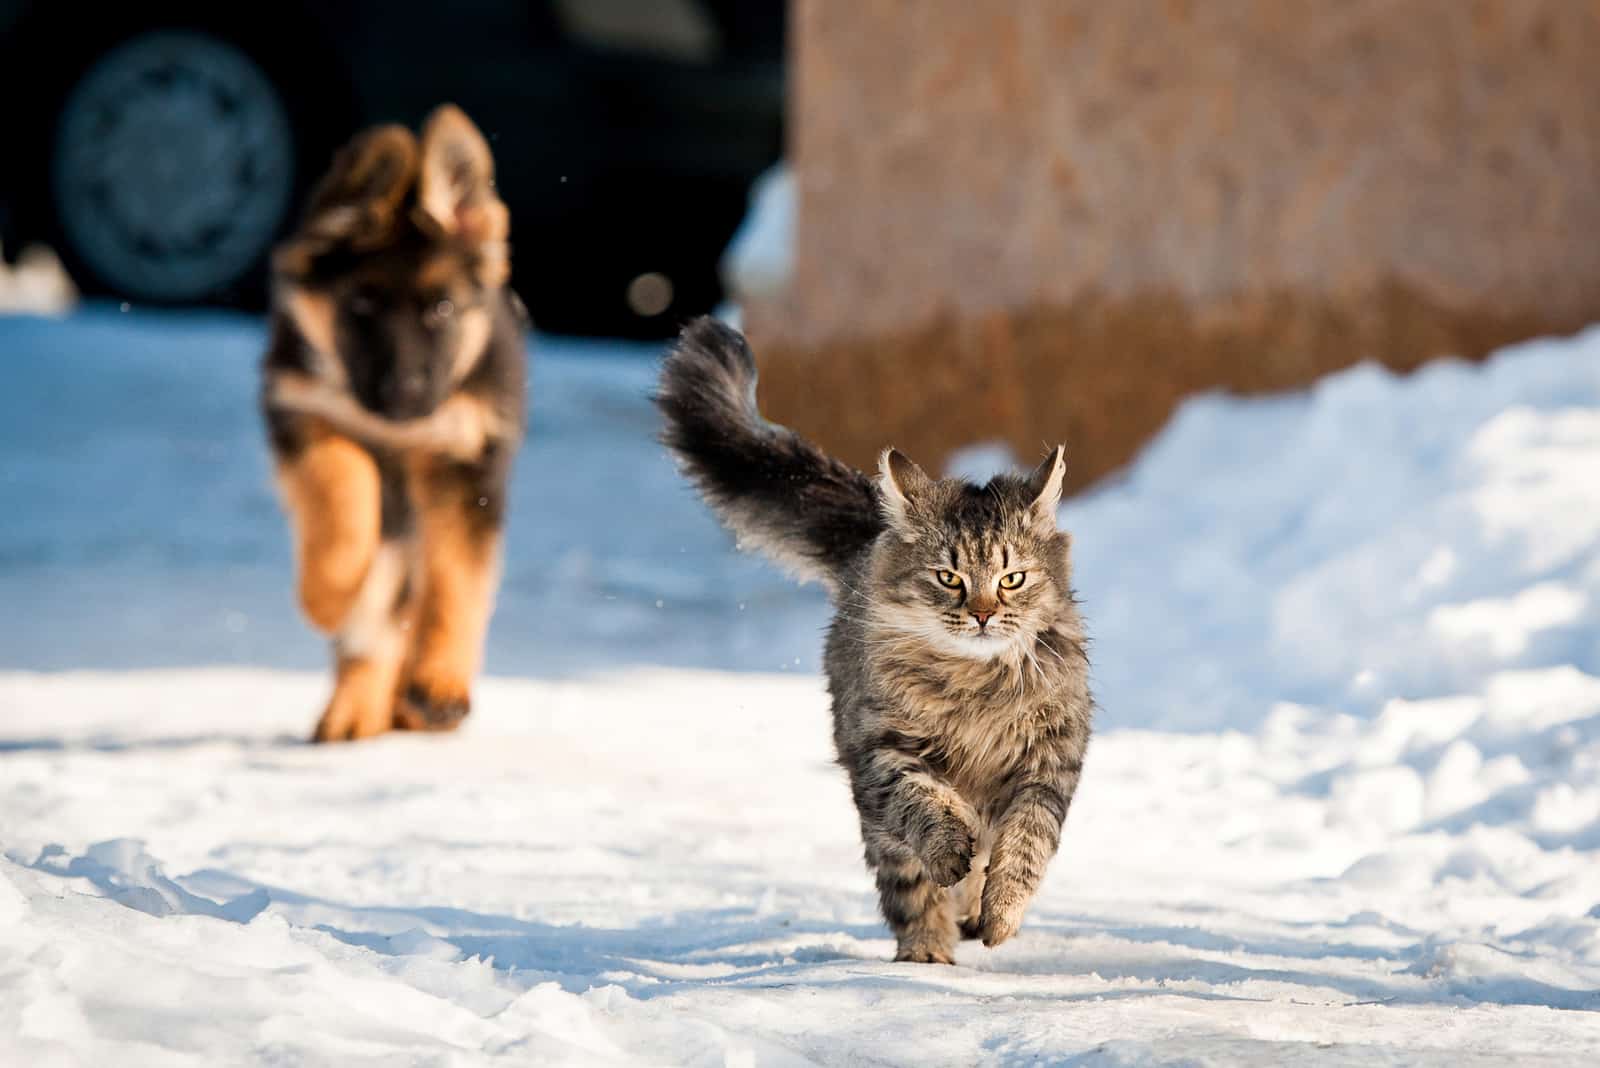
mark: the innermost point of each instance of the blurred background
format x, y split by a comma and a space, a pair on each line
165, 146
969, 230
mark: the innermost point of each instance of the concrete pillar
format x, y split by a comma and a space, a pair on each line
1041, 220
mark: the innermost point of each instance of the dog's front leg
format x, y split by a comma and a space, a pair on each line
332, 493
459, 508
350, 581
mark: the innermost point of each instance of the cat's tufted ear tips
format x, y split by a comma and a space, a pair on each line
1045, 484
901, 483
902, 476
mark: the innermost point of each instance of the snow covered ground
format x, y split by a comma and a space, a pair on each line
1344, 807
141, 526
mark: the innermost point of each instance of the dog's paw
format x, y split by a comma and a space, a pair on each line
424, 708
347, 720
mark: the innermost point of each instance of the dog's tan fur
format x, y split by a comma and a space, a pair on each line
458, 574
330, 491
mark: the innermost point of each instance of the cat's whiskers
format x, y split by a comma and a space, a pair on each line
1047, 647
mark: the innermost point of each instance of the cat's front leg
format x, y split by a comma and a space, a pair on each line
1027, 837
920, 836
944, 835
899, 792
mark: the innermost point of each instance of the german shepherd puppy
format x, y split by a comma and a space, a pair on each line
393, 389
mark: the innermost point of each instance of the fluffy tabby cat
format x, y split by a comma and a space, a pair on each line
955, 658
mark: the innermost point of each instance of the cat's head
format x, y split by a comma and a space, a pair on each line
976, 571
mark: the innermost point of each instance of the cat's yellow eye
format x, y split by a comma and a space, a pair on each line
948, 579
1014, 580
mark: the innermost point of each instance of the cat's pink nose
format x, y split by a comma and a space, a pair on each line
983, 617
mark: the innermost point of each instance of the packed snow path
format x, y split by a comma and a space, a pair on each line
1344, 807
664, 869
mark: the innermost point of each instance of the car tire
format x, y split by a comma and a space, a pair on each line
173, 166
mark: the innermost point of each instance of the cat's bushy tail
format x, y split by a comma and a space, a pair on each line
775, 490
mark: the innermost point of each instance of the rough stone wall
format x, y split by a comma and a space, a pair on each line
1041, 220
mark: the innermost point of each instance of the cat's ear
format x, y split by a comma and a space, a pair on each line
902, 483
1045, 486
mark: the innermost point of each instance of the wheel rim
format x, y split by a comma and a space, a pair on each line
174, 164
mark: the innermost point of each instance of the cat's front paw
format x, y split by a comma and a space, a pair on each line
1003, 905
925, 955
947, 852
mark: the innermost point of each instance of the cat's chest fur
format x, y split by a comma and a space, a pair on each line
975, 720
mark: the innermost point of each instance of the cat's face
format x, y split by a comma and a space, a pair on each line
976, 571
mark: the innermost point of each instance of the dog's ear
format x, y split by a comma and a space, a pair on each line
358, 201
373, 172
455, 190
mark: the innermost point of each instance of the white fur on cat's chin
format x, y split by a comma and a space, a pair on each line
973, 646
914, 624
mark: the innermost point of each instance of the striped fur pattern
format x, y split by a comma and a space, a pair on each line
777, 491
955, 660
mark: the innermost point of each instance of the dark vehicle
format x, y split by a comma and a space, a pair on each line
163, 147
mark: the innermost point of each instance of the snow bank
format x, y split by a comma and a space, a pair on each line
37, 285
1378, 536
760, 256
